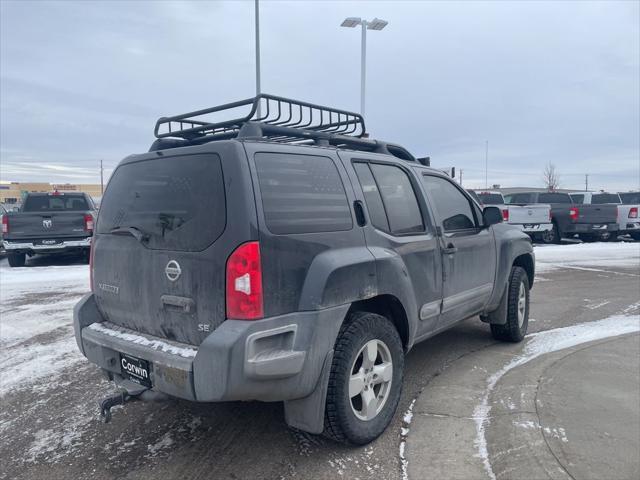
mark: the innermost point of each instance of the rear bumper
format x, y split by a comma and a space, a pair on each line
629, 227
590, 227
535, 227
22, 246
274, 359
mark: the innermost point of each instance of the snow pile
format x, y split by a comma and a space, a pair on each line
619, 254
542, 343
36, 334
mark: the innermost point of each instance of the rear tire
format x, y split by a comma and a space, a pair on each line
363, 394
17, 259
515, 329
552, 236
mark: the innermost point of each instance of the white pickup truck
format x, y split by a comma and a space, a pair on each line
534, 220
628, 221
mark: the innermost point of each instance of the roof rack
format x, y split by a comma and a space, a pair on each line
272, 118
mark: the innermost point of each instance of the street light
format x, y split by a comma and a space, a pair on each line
375, 24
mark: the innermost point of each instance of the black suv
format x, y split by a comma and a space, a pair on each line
285, 256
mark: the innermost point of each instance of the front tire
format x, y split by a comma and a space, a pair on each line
17, 259
365, 381
515, 329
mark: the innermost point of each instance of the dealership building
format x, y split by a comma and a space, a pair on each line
12, 192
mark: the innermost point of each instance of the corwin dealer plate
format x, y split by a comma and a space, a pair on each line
135, 369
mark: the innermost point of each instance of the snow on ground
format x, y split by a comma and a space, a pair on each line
612, 254
541, 343
36, 334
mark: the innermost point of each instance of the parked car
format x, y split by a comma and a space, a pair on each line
628, 221
50, 223
588, 222
233, 262
3, 211
534, 220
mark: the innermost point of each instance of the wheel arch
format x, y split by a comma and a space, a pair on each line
526, 262
388, 306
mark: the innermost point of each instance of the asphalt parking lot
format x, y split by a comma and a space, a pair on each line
526, 424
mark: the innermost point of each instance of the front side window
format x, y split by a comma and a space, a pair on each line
451, 205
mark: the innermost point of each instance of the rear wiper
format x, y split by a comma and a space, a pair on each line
138, 234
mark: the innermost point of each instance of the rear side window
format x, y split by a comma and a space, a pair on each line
577, 198
372, 197
302, 194
452, 206
554, 198
179, 202
600, 198
52, 203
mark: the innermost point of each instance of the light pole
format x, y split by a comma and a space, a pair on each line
258, 52
375, 24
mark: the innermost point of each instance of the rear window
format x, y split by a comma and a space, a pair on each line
630, 198
554, 198
577, 198
600, 198
302, 194
491, 198
179, 202
60, 202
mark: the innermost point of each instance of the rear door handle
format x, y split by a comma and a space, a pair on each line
450, 249
185, 303
359, 209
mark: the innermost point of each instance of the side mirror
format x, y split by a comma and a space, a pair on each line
491, 216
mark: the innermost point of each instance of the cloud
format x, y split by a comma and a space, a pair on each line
542, 81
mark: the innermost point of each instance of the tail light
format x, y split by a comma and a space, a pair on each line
244, 283
91, 264
88, 223
505, 215
573, 214
633, 213
5, 224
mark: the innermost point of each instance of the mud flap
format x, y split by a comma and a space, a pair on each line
307, 413
499, 315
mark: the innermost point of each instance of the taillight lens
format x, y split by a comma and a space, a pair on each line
244, 283
88, 223
573, 214
505, 215
91, 264
633, 213
5, 224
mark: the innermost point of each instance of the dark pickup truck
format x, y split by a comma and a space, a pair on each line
588, 222
49, 223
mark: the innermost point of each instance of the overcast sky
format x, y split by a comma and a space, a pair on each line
541, 81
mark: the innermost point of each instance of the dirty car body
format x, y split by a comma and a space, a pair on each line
225, 268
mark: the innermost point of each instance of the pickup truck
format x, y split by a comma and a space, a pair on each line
587, 222
534, 220
49, 223
628, 221
232, 262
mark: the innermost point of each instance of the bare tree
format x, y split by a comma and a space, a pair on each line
551, 177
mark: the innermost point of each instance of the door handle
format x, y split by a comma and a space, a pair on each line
186, 304
359, 209
450, 249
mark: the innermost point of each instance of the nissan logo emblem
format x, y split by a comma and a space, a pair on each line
173, 270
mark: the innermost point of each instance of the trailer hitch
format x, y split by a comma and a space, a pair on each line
107, 403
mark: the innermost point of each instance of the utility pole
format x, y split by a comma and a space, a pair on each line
586, 182
101, 179
258, 53
486, 165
